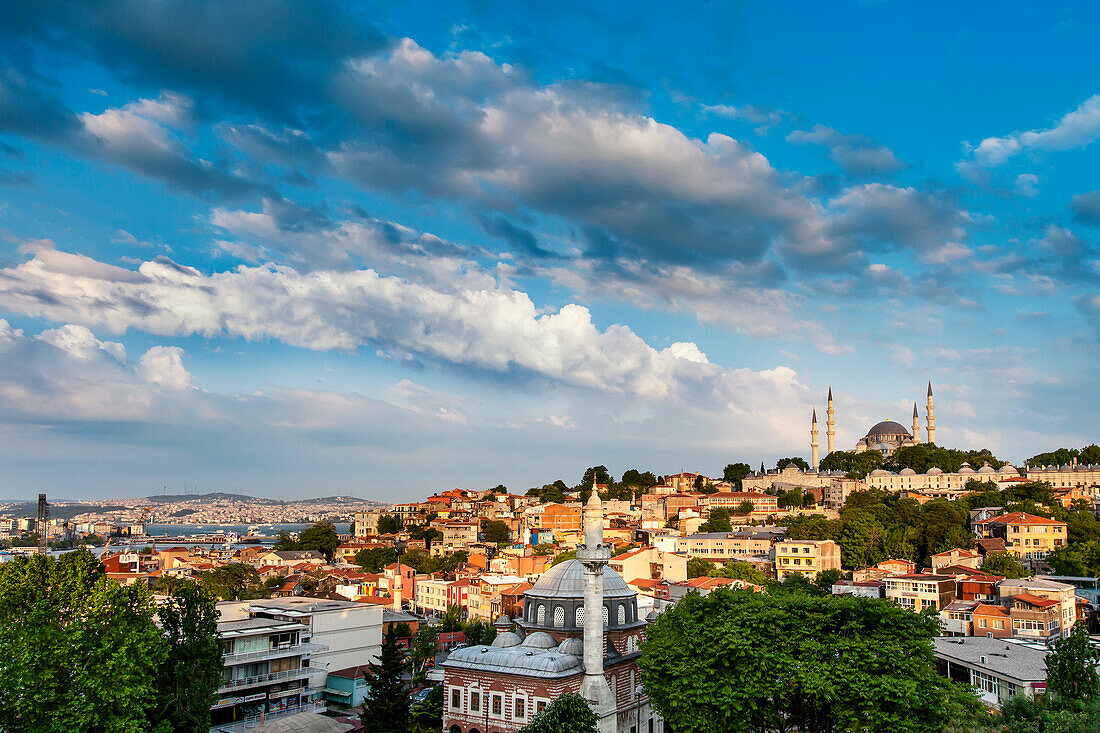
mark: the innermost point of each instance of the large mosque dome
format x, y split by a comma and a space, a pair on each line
556, 603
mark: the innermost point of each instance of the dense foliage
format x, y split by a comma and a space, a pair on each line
568, 713
797, 662
80, 652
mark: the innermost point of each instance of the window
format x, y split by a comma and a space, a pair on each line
521, 707
456, 699
497, 704
475, 701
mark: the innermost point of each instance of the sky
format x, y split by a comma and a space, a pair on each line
307, 248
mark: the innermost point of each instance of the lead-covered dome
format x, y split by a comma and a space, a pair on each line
566, 580
887, 427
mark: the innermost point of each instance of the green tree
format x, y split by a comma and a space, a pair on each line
1005, 565
452, 619
374, 559
568, 713
496, 531
233, 582
388, 524
740, 571
188, 678
321, 537
794, 662
1080, 559
1073, 668
424, 647
697, 567
563, 557
385, 705
78, 652
735, 473
427, 715
718, 521
784, 462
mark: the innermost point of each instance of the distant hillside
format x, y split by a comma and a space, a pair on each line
213, 496
57, 511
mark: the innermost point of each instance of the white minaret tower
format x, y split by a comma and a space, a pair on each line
830, 424
814, 445
916, 424
594, 555
931, 416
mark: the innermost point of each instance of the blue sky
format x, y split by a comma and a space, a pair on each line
298, 249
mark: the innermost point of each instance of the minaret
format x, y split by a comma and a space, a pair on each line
397, 587
594, 555
916, 424
830, 425
931, 417
814, 445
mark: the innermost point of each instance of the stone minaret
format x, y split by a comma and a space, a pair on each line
931, 417
594, 555
916, 424
830, 424
814, 445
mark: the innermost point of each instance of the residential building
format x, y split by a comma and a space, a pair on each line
999, 668
265, 672
1063, 593
1026, 536
431, 596
651, 563
921, 591
805, 557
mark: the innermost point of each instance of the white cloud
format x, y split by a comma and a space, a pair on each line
1076, 129
163, 365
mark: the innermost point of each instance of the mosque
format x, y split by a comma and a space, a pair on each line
885, 437
579, 633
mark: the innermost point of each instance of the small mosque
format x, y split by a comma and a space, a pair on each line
885, 437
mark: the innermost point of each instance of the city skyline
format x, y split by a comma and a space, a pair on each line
307, 249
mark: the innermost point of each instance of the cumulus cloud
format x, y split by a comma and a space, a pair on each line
493, 330
857, 155
1075, 129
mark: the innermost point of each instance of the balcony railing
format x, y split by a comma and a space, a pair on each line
283, 650
256, 720
260, 679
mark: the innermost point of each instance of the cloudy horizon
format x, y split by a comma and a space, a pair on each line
302, 249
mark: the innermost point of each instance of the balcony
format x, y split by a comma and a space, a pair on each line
263, 679
283, 650
256, 720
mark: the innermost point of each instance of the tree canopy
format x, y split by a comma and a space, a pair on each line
568, 713
736, 660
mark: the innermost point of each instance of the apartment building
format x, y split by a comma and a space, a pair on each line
732, 500
265, 673
431, 596
1063, 594
725, 545
650, 563
921, 591
805, 557
1026, 536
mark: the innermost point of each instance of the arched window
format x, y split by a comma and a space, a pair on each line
540, 619
559, 616
622, 614
580, 615
605, 615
